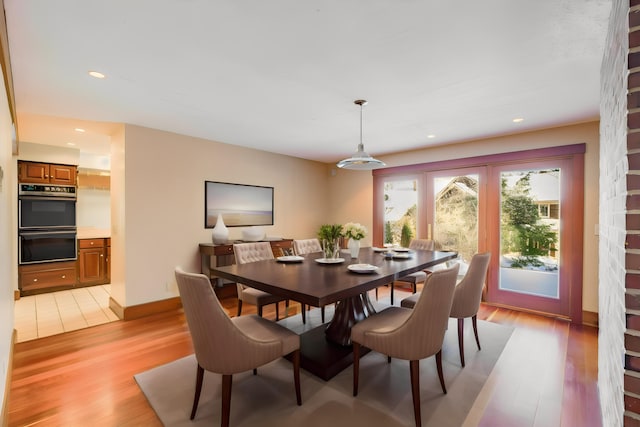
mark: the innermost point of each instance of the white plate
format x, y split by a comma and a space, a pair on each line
290, 258
401, 256
379, 249
362, 268
401, 249
329, 260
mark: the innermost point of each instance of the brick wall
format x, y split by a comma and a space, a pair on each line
619, 251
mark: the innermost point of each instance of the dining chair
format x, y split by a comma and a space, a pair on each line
419, 276
227, 346
303, 247
251, 252
466, 299
407, 334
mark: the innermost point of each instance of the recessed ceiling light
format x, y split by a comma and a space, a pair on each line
431, 136
71, 143
97, 74
79, 130
518, 120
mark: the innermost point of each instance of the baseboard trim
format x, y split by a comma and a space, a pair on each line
143, 310
4, 415
590, 318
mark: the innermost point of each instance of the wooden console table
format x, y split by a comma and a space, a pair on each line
212, 255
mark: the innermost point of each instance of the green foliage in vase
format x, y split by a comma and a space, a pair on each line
330, 232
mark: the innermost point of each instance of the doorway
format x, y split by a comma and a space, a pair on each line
525, 208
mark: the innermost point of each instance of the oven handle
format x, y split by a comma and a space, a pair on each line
45, 233
52, 197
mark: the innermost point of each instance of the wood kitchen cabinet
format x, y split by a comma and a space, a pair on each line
47, 173
92, 261
46, 277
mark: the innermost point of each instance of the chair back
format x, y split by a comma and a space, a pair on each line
422, 334
306, 246
466, 300
251, 252
219, 345
422, 244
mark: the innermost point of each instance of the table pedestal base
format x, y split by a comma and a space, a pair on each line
323, 358
326, 350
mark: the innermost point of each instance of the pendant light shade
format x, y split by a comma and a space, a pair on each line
360, 160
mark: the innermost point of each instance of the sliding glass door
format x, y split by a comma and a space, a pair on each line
526, 209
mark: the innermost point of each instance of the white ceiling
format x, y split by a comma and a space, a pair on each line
282, 75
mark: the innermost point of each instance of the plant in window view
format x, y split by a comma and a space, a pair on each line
523, 234
456, 218
400, 208
405, 235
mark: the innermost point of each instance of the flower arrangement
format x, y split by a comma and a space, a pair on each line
329, 235
354, 230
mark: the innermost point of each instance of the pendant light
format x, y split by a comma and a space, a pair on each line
360, 160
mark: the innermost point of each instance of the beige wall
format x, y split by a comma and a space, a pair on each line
8, 231
158, 195
351, 192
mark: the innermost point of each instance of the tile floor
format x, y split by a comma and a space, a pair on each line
42, 315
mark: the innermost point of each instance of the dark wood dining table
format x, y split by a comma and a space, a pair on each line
326, 349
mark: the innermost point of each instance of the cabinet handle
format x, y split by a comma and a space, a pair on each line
91, 243
101, 255
35, 280
64, 276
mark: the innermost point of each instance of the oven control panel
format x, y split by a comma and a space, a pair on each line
47, 190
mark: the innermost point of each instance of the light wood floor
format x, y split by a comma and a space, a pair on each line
547, 375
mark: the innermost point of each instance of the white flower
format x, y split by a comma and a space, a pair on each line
354, 230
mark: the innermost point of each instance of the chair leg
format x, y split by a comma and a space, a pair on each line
277, 311
196, 397
255, 371
392, 288
239, 307
474, 321
440, 374
322, 313
260, 310
388, 359
296, 375
414, 368
226, 400
376, 294
356, 367
461, 340
303, 313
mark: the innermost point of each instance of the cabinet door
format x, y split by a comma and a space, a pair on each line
107, 265
62, 174
34, 172
91, 265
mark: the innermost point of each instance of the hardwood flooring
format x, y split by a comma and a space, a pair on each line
547, 375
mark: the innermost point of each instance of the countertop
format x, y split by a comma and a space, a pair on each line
93, 233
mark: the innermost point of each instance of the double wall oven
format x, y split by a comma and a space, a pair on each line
46, 223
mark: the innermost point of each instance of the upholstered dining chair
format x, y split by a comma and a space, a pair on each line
466, 299
410, 334
303, 247
419, 276
227, 345
251, 252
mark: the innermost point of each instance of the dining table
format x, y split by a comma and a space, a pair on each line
314, 280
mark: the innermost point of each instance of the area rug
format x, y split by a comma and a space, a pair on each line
384, 399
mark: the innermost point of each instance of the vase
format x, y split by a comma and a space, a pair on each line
331, 248
354, 247
220, 232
